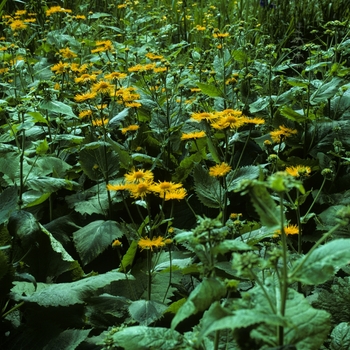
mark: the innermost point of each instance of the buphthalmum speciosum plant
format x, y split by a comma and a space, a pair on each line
171, 179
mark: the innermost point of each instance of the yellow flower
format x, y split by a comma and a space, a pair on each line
221, 35
219, 170
159, 69
67, 53
193, 135
86, 113
152, 56
288, 230
85, 78
17, 25
102, 87
282, 133
147, 243
85, 97
115, 76
199, 27
164, 187
100, 122
229, 121
117, 187
137, 176
55, 9
179, 193
60, 67
298, 171
256, 121
198, 117
116, 243
142, 68
235, 215
130, 128
133, 104
140, 189
102, 46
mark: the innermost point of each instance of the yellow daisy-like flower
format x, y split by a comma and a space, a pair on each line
298, 171
178, 194
133, 127
140, 189
85, 97
133, 104
85, 78
60, 67
198, 117
193, 135
86, 113
68, 53
219, 170
137, 176
288, 230
147, 243
256, 121
116, 187
17, 25
282, 133
102, 46
153, 56
229, 121
102, 87
100, 122
200, 28
116, 243
164, 187
221, 35
115, 76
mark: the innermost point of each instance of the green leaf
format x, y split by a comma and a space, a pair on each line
98, 160
186, 166
38, 117
234, 178
231, 245
340, 337
213, 151
290, 114
116, 120
47, 184
59, 108
208, 189
49, 165
64, 294
146, 311
322, 263
210, 90
326, 91
265, 206
8, 203
68, 339
208, 291
145, 338
91, 240
42, 148
129, 256
9, 164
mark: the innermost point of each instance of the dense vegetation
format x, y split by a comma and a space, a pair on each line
175, 174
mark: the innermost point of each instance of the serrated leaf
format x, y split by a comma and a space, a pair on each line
146, 311
291, 114
249, 172
209, 90
265, 206
64, 294
8, 203
322, 263
230, 245
98, 160
58, 107
48, 184
68, 339
340, 337
208, 189
208, 291
145, 338
92, 239
186, 166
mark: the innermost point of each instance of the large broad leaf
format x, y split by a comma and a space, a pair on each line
145, 338
208, 189
48, 184
208, 291
116, 120
234, 178
49, 165
91, 240
68, 339
340, 337
326, 91
8, 203
210, 90
322, 263
291, 114
265, 206
98, 160
146, 311
9, 164
64, 294
186, 166
59, 108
